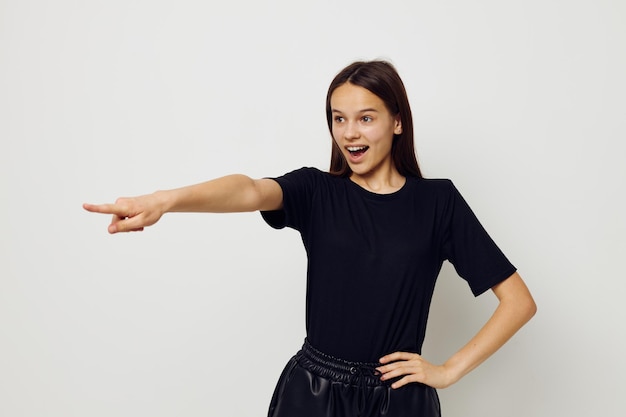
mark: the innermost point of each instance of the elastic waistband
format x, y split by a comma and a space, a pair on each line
337, 369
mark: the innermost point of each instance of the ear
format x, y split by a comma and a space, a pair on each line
397, 129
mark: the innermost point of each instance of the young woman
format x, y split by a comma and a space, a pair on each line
376, 234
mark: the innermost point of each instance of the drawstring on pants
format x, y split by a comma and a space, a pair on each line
360, 374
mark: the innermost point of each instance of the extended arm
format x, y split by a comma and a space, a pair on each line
516, 306
233, 193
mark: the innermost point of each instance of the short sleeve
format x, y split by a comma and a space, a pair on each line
468, 246
298, 189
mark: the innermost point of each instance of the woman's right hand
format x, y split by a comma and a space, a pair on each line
130, 214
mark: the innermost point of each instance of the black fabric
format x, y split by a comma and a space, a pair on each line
314, 384
373, 259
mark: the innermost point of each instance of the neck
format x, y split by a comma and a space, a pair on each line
386, 182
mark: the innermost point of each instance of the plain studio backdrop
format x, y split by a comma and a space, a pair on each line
520, 103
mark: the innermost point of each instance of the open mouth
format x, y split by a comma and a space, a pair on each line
357, 151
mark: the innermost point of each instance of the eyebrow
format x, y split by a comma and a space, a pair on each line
360, 111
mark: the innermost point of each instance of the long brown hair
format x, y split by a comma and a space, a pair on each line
382, 79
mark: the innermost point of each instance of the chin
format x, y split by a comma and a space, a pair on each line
358, 170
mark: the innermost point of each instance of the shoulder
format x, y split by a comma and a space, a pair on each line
305, 172
306, 175
438, 193
435, 186
307, 181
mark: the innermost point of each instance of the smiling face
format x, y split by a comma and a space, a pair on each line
364, 129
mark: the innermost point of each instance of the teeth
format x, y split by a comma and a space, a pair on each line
355, 148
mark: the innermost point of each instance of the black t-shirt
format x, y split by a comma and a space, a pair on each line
373, 258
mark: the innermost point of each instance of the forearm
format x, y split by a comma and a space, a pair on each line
232, 193
516, 307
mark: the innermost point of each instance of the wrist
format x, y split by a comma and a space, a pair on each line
164, 201
453, 372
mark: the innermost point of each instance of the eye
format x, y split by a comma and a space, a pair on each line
338, 119
367, 119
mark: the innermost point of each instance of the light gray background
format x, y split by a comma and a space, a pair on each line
521, 103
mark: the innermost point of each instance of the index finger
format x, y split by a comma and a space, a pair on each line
105, 209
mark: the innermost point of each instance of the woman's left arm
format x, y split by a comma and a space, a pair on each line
516, 306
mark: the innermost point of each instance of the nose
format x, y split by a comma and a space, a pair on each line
352, 131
